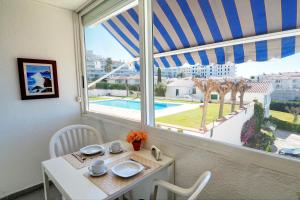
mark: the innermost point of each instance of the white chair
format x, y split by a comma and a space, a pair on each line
72, 138
192, 193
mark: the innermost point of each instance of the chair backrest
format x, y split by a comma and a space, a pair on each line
200, 185
72, 138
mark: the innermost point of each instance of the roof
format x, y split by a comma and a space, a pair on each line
181, 83
260, 87
179, 25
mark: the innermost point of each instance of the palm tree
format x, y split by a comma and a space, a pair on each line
223, 88
206, 86
108, 66
242, 89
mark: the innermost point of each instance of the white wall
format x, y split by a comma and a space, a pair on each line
103, 92
34, 30
230, 130
237, 173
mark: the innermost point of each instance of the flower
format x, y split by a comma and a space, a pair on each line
134, 136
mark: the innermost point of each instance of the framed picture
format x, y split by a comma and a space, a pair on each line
38, 78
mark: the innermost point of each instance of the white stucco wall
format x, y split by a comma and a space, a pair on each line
238, 173
102, 92
34, 30
229, 131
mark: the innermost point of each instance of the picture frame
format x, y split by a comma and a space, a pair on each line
38, 78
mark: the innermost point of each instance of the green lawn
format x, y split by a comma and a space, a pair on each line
284, 116
192, 118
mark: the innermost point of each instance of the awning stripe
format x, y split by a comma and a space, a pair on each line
287, 46
238, 53
124, 37
119, 40
289, 21
188, 23
233, 18
289, 14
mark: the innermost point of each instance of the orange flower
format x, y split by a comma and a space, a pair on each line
137, 136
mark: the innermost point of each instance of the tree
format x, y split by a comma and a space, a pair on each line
159, 75
243, 87
295, 111
223, 87
127, 88
180, 75
234, 90
108, 65
160, 90
206, 86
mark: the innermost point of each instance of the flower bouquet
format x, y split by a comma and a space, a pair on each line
136, 138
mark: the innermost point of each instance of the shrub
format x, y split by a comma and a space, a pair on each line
284, 125
160, 90
256, 133
114, 86
281, 105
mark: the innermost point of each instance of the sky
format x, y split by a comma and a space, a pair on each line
102, 43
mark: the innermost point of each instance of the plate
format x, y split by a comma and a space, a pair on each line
92, 149
127, 169
99, 174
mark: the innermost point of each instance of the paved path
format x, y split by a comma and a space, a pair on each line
286, 139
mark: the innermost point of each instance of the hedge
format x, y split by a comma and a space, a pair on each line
281, 105
112, 86
284, 125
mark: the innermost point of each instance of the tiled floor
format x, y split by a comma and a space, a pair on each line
39, 195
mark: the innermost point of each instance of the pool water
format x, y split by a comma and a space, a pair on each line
133, 105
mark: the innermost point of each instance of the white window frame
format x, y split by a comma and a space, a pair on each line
146, 63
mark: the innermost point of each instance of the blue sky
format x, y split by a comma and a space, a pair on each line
37, 68
102, 43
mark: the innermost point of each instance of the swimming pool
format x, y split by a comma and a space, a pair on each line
133, 105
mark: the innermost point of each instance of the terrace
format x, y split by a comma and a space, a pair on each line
58, 98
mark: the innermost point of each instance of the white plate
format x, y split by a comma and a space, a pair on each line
99, 174
127, 169
92, 149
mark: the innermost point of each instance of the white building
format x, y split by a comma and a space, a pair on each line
182, 88
227, 70
286, 85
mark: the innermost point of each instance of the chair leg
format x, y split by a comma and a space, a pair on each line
154, 194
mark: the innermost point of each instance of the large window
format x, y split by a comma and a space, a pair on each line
113, 78
245, 93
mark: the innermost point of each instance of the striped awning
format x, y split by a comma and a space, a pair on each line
180, 24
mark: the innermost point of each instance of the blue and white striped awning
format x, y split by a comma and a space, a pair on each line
180, 24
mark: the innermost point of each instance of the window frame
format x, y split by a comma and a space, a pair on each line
147, 115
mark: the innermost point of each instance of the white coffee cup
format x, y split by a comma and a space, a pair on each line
115, 147
97, 166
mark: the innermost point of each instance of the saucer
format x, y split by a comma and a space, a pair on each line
98, 174
115, 152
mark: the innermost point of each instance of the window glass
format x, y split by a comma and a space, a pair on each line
251, 104
112, 76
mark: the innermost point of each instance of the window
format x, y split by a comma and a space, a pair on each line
113, 78
173, 97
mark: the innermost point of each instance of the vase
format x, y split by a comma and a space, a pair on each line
136, 145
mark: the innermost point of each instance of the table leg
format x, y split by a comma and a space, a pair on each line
46, 185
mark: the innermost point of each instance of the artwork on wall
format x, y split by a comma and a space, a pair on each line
38, 78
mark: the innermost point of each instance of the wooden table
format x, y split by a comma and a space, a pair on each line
73, 184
